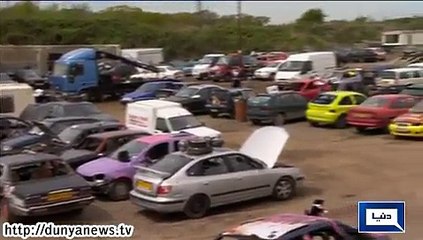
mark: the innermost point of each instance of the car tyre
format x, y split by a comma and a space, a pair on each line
213, 115
341, 122
279, 119
119, 190
313, 124
255, 122
272, 76
284, 189
360, 129
197, 206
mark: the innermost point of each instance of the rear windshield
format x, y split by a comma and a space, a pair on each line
375, 102
418, 108
324, 99
81, 109
90, 144
39, 170
70, 135
171, 163
387, 75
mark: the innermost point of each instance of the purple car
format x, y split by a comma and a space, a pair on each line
296, 227
112, 175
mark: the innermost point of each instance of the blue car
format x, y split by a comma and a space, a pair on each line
148, 90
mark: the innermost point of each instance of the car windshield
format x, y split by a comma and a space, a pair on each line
187, 92
184, 122
39, 129
148, 87
375, 102
292, 66
387, 75
81, 109
70, 135
418, 108
60, 69
90, 144
324, 99
171, 163
133, 148
209, 60
39, 170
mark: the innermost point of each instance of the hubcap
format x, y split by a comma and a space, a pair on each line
283, 189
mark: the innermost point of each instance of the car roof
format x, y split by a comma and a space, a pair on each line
64, 119
117, 133
341, 93
240, 89
404, 69
201, 86
63, 103
162, 81
391, 96
285, 223
84, 126
23, 158
151, 139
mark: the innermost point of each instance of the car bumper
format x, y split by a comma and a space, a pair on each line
262, 75
321, 117
99, 187
261, 117
52, 208
368, 123
406, 131
162, 205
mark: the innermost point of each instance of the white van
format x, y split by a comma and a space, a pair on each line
14, 97
202, 68
305, 64
159, 116
400, 76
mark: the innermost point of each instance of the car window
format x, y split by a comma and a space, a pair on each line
346, 101
404, 75
296, 98
324, 99
209, 167
158, 151
417, 74
205, 93
359, 99
39, 170
90, 144
403, 103
240, 163
161, 125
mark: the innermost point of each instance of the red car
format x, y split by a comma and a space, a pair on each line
308, 88
378, 111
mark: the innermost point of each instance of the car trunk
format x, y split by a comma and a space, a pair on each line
364, 112
147, 181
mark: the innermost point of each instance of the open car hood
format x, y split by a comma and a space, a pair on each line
266, 144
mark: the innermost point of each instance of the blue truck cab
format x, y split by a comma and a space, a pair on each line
76, 73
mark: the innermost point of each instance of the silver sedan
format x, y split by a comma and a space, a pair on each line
201, 177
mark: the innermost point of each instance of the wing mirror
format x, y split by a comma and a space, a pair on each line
123, 156
196, 97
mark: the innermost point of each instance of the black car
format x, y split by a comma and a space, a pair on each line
12, 127
222, 101
362, 55
5, 78
41, 111
30, 77
75, 134
37, 184
57, 125
250, 65
167, 92
99, 144
194, 98
38, 138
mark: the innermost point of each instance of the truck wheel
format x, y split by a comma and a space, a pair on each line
197, 206
284, 189
119, 190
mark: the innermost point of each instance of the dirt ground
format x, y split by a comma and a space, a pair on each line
341, 166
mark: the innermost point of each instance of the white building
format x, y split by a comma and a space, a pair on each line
402, 38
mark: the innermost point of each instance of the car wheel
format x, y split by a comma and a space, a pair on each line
341, 122
119, 190
197, 206
6, 215
313, 124
360, 129
279, 119
284, 189
213, 115
272, 76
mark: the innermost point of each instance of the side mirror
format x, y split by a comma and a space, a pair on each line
196, 97
123, 156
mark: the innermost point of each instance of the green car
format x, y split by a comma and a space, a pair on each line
276, 108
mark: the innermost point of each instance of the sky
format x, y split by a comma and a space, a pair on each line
278, 11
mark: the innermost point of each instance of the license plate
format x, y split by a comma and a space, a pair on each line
402, 129
144, 185
213, 110
59, 196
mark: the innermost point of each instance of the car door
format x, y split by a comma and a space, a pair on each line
248, 178
200, 103
285, 104
300, 104
345, 104
212, 177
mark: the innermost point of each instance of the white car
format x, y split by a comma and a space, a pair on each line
268, 72
164, 72
400, 76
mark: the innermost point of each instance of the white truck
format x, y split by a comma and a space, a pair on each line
14, 97
159, 116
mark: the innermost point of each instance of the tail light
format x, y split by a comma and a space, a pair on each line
163, 190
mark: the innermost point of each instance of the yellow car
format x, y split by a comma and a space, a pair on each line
409, 124
331, 108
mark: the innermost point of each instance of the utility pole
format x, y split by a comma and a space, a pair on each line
239, 13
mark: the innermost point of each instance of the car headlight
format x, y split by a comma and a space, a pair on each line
6, 148
16, 201
126, 99
99, 178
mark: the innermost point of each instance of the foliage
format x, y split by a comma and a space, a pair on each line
184, 34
